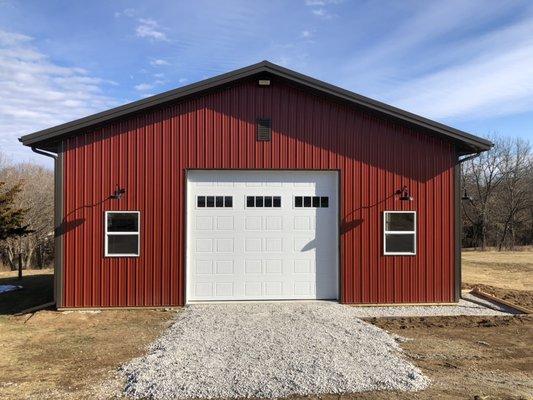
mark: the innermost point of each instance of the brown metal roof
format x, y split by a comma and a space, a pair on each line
467, 142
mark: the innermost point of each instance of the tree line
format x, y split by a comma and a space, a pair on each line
26, 215
498, 196
497, 204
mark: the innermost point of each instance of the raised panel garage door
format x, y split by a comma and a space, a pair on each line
262, 235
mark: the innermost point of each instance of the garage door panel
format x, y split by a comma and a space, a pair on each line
254, 253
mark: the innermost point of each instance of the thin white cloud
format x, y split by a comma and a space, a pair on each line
182, 80
320, 7
322, 13
128, 12
428, 65
306, 34
38, 93
150, 29
159, 62
141, 87
314, 3
499, 85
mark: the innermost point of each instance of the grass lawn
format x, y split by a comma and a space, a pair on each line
52, 354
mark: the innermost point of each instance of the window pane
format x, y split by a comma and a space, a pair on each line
259, 201
200, 201
250, 202
268, 201
122, 222
122, 244
400, 221
316, 201
307, 201
219, 201
210, 201
277, 201
324, 202
228, 201
400, 243
298, 201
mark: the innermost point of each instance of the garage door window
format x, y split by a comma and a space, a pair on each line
399, 232
214, 201
311, 201
122, 232
263, 201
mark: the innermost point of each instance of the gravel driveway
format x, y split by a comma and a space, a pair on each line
269, 350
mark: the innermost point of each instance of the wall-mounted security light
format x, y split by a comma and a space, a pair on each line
466, 197
118, 193
404, 194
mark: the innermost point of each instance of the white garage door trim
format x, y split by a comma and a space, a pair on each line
272, 253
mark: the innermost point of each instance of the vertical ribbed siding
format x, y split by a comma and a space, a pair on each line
149, 153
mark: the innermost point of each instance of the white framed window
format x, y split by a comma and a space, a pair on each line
122, 233
399, 233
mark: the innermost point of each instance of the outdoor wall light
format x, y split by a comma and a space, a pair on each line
466, 197
404, 194
118, 193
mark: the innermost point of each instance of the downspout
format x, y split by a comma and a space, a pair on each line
58, 220
459, 224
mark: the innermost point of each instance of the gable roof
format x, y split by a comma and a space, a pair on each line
466, 142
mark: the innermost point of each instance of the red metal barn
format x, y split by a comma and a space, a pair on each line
259, 184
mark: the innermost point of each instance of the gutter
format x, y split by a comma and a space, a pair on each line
58, 221
44, 153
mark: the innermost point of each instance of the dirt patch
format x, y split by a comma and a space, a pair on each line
522, 298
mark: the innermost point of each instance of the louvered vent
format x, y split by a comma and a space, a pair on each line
264, 131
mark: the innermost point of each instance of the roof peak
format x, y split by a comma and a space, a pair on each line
469, 143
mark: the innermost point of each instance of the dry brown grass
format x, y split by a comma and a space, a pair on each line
53, 354
506, 270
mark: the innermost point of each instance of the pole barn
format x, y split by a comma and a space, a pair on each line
258, 184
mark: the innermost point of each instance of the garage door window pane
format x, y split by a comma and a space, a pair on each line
307, 201
324, 202
399, 232
228, 201
268, 201
298, 201
200, 201
277, 201
210, 201
259, 201
250, 201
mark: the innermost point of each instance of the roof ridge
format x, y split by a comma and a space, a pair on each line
474, 143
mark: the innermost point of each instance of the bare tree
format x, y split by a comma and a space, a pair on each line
516, 192
481, 177
500, 183
36, 196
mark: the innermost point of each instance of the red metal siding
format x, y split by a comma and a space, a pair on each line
148, 154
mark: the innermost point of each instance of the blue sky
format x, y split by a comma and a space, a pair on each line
465, 63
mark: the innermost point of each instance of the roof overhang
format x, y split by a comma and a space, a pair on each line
465, 142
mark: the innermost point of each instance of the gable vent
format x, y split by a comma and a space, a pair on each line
264, 131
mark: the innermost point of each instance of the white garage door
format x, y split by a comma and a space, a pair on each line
262, 235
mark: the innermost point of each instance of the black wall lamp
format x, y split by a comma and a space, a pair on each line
118, 193
466, 197
404, 194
